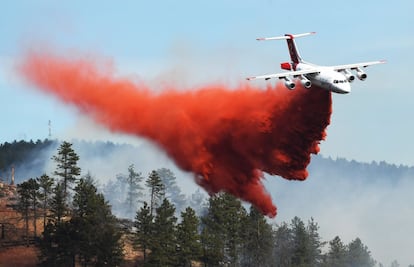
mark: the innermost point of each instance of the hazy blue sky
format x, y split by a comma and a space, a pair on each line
195, 42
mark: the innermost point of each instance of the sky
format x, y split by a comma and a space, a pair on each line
189, 43
194, 42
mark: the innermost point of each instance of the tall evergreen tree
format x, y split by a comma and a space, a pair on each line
67, 169
213, 233
197, 202
57, 245
221, 230
300, 256
172, 190
395, 263
34, 201
58, 205
145, 227
24, 204
188, 238
97, 235
359, 255
156, 190
336, 255
258, 240
90, 238
283, 246
45, 192
163, 248
315, 244
134, 192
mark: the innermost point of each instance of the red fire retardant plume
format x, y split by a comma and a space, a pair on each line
226, 137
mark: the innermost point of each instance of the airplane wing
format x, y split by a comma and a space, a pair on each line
315, 70
357, 65
286, 74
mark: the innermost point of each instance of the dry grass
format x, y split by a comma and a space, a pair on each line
21, 256
131, 255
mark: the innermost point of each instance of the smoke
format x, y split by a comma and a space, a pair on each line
226, 136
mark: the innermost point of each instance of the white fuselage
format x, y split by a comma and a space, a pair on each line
327, 78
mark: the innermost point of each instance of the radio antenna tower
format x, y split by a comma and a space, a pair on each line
50, 130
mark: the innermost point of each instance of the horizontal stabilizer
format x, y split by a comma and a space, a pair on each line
285, 37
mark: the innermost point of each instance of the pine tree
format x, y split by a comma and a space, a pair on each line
144, 225
58, 205
57, 245
91, 236
283, 246
163, 247
67, 169
314, 244
300, 255
258, 240
197, 201
221, 230
24, 204
359, 255
45, 192
156, 190
188, 238
336, 255
34, 201
134, 192
97, 235
172, 190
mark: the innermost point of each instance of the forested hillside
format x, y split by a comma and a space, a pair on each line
30, 158
60, 210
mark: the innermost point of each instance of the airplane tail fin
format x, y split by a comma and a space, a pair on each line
294, 54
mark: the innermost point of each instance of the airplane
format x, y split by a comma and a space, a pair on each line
333, 78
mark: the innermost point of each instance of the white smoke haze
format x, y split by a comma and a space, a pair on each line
376, 206
348, 199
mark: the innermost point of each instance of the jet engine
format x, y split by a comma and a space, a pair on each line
305, 82
348, 75
360, 74
289, 83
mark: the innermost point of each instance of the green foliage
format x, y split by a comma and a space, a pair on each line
28, 202
172, 190
134, 192
224, 235
283, 246
164, 245
21, 152
97, 235
45, 191
144, 229
300, 255
188, 238
221, 235
314, 243
359, 255
257, 240
156, 190
91, 236
58, 205
57, 246
66, 165
337, 253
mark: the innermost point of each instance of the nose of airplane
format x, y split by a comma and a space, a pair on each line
343, 88
346, 88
